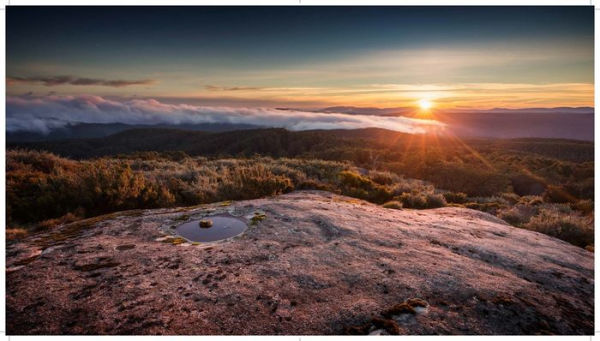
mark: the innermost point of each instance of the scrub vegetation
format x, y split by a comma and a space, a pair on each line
538, 184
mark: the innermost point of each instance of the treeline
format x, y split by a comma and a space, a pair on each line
276, 142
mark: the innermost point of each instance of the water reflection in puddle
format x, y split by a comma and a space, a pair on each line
223, 227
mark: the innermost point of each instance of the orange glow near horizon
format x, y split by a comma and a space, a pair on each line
422, 97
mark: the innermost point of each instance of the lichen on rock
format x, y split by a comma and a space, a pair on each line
257, 217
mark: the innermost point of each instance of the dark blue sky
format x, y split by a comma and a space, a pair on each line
113, 32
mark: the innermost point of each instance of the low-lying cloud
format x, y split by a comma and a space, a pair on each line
70, 80
43, 114
230, 88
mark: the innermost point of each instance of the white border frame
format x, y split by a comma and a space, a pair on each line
274, 3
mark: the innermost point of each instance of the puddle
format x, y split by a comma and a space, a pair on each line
223, 227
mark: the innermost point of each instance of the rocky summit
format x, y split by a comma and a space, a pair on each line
310, 262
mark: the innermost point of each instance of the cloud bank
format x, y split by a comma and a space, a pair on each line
69, 80
43, 114
231, 88
407, 110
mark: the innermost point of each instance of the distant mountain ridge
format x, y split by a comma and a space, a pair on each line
97, 130
561, 122
403, 111
577, 126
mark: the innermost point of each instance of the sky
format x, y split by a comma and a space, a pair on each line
442, 58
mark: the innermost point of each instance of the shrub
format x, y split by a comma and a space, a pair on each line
359, 186
470, 180
352, 179
39, 186
51, 223
15, 233
584, 206
393, 204
157, 195
422, 200
313, 184
411, 185
517, 215
384, 178
107, 186
581, 188
413, 200
572, 228
556, 194
531, 200
455, 197
511, 198
488, 207
252, 184
527, 184
435, 200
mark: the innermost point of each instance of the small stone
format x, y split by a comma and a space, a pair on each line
206, 223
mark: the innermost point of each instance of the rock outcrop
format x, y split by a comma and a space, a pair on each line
315, 263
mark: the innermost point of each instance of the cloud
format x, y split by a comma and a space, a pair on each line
45, 113
69, 80
230, 88
408, 111
397, 95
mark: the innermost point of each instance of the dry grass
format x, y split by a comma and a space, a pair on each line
15, 233
571, 227
518, 214
394, 204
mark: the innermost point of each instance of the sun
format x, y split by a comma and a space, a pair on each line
425, 104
